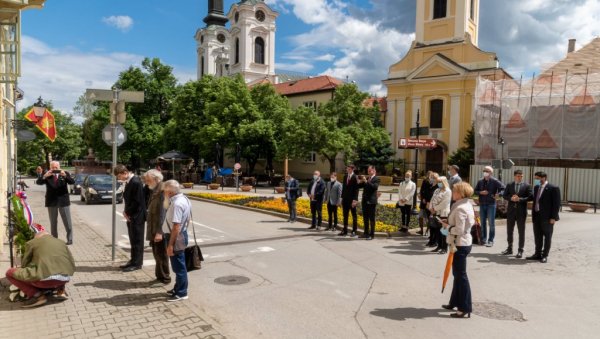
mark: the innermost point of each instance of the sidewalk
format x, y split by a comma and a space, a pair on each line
103, 302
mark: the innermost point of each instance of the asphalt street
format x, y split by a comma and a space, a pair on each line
282, 281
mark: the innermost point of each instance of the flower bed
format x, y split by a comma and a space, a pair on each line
387, 216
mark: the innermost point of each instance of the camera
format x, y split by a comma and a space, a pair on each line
56, 171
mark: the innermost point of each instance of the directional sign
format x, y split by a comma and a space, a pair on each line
417, 143
108, 95
107, 135
422, 131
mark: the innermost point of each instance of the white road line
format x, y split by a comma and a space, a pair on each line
262, 250
210, 228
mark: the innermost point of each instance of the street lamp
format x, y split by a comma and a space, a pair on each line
39, 108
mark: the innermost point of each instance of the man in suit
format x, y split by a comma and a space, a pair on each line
370, 186
291, 195
333, 198
315, 191
517, 193
349, 200
135, 214
546, 204
58, 200
453, 177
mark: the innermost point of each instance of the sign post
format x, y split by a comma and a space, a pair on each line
118, 99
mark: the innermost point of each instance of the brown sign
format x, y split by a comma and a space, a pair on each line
417, 143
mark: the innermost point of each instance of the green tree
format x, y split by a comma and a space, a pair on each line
464, 157
66, 147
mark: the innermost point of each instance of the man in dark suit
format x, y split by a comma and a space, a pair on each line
291, 194
58, 200
546, 204
369, 201
315, 191
135, 214
349, 200
517, 193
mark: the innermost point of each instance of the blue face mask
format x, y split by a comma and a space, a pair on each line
440, 185
536, 182
444, 231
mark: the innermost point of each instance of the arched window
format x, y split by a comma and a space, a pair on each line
237, 50
439, 8
436, 113
259, 51
202, 66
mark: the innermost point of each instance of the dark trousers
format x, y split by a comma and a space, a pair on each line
519, 219
441, 239
406, 212
369, 219
542, 233
346, 208
332, 215
316, 210
136, 240
159, 251
292, 208
461, 290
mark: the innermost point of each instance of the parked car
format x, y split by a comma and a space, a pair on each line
98, 188
76, 187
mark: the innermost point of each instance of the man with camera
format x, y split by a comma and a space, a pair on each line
57, 184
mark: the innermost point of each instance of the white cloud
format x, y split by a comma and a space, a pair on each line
301, 66
121, 22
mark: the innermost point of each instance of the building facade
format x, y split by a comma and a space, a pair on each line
436, 80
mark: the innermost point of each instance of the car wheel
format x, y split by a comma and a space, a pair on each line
87, 201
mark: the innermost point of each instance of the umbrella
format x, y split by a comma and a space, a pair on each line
447, 269
173, 156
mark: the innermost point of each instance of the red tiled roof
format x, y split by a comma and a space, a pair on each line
369, 102
320, 83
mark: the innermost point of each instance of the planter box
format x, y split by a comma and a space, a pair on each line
188, 185
579, 208
246, 188
214, 186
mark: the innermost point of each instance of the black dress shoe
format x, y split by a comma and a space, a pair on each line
312, 227
507, 251
435, 250
129, 263
132, 268
534, 257
544, 260
519, 255
447, 307
342, 234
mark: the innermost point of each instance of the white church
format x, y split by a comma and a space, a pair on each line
247, 47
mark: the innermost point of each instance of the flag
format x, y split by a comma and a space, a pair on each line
45, 124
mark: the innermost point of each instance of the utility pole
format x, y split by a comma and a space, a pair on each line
416, 175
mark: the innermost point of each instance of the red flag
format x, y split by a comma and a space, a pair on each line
45, 124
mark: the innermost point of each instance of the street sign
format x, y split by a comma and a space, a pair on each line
107, 135
426, 143
502, 164
422, 131
108, 95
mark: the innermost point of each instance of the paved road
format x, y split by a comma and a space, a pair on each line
324, 287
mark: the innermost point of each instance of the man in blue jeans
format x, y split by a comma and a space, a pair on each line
488, 189
175, 235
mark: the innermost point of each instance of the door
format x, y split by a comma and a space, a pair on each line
435, 160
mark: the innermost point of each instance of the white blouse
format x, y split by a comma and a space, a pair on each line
440, 202
406, 191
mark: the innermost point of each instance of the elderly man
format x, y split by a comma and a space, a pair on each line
155, 218
178, 218
47, 265
58, 200
315, 190
488, 189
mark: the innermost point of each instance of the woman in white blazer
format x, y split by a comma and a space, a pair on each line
458, 227
440, 208
406, 193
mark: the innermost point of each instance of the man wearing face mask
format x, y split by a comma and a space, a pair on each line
546, 204
315, 190
425, 193
517, 193
488, 189
333, 199
453, 177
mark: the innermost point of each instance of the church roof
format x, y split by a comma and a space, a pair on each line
382, 102
317, 84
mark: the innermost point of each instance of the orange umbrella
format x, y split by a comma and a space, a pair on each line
447, 269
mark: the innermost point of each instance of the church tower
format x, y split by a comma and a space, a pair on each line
440, 21
252, 48
213, 42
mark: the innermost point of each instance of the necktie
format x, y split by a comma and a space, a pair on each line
55, 179
537, 199
517, 187
348, 180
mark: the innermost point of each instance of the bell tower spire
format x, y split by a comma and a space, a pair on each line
215, 14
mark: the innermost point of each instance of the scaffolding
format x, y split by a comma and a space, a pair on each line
555, 115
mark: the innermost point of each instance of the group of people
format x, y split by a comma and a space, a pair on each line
337, 194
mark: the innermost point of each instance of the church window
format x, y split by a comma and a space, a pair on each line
259, 51
436, 113
237, 50
472, 10
237, 16
439, 8
221, 37
202, 66
260, 15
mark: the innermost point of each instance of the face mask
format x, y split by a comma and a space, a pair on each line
440, 185
536, 182
407, 179
444, 231
431, 180
315, 177
449, 174
486, 174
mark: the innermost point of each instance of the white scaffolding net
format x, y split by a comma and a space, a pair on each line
552, 116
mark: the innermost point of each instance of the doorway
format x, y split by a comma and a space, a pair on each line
435, 160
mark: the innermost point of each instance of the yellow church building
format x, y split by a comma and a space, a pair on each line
437, 79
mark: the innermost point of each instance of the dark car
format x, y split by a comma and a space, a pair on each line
98, 188
76, 187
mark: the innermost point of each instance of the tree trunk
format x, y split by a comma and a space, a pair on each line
331, 162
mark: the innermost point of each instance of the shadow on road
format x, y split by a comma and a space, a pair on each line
92, 269
134, 299
498, 259
405, 313
117, 285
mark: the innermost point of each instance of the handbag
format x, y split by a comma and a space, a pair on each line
193, 254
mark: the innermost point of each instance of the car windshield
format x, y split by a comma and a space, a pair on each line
80, 177
101, 180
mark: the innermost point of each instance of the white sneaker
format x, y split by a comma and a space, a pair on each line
177, 298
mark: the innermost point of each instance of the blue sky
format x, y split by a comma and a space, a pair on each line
71, 45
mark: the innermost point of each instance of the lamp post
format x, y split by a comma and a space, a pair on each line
414, 211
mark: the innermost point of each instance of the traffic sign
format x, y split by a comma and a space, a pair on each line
107, 135
426, 143
422, 131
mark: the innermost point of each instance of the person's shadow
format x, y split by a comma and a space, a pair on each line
133, 299
404, 313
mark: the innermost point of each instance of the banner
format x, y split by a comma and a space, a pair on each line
45, 124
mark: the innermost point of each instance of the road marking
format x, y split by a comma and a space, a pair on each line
342, 294
262, 250
210, 228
